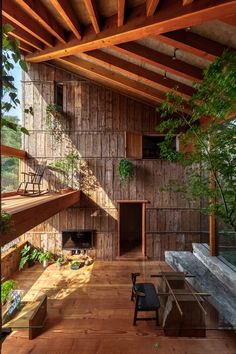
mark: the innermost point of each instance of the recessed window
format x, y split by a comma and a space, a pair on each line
151, 149
59, 94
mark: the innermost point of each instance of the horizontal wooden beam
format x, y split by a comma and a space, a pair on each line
8, 194
93, 14
12, 152
26, 217
101, 81
23, 36
15, 14
87, 68
40, 13
121, 13
67, 14
231, 20
160, 60
139, 73
171, 16
151, 6
192, 43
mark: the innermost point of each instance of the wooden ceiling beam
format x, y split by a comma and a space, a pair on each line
93, 14
103, 82
24, 36
67, 14
187, 2
40, 13
138, 73
230, 20
151, 6
160, 60
120, 13
169, 17
192, 43
87, 69
13, 12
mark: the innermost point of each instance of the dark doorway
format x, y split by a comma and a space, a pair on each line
131, 228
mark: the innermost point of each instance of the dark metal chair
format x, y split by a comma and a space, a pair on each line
146, 299
34, 180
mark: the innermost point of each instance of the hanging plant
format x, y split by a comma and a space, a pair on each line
6, 223
126, 170
55, 120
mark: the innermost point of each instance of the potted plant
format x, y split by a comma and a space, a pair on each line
60, 261
26, 257
45, 257
126, 170
6, 223
6, 288
75, 265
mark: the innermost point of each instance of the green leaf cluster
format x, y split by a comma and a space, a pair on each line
213, 146
10, 57
6, 288
126, 170
55, 120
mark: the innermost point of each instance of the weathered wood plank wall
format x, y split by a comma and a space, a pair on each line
99, 119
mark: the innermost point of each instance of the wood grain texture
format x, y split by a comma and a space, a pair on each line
12, 152
171, 16
15, 14
40, 13
99, 120
89, 311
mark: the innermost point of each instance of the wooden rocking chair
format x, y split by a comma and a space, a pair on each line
33, 179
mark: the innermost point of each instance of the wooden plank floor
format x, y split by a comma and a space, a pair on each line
16, 203
90, 312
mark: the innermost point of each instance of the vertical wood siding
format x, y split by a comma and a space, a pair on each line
98, 119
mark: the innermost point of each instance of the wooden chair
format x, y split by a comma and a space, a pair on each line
146, 299
33, 179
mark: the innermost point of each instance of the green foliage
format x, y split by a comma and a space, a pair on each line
70, 166
10, 57
10, 165
6, 223
45, 256
25, 256
214, 147
60, 261
6, 288
55, 120
75, 264
28, 253
126, 170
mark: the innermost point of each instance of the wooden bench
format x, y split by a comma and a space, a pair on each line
146, 299
30, 315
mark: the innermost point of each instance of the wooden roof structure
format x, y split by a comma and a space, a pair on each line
137, 47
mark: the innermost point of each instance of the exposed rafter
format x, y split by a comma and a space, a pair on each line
38, 11
136, 72
93, 14
23, 36
192, 43
16, 15
160, 60
151, 6
66, 12
171, 16
94, 72
231, 20
187, 2
121, 13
